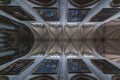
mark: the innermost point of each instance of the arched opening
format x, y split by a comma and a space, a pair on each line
82, 77
82, 3
115, 3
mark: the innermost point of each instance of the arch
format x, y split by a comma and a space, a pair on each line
42, 78
82, 77
82, 3
115, 3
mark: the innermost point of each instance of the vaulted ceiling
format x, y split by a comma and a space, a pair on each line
61, 26
65, 19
